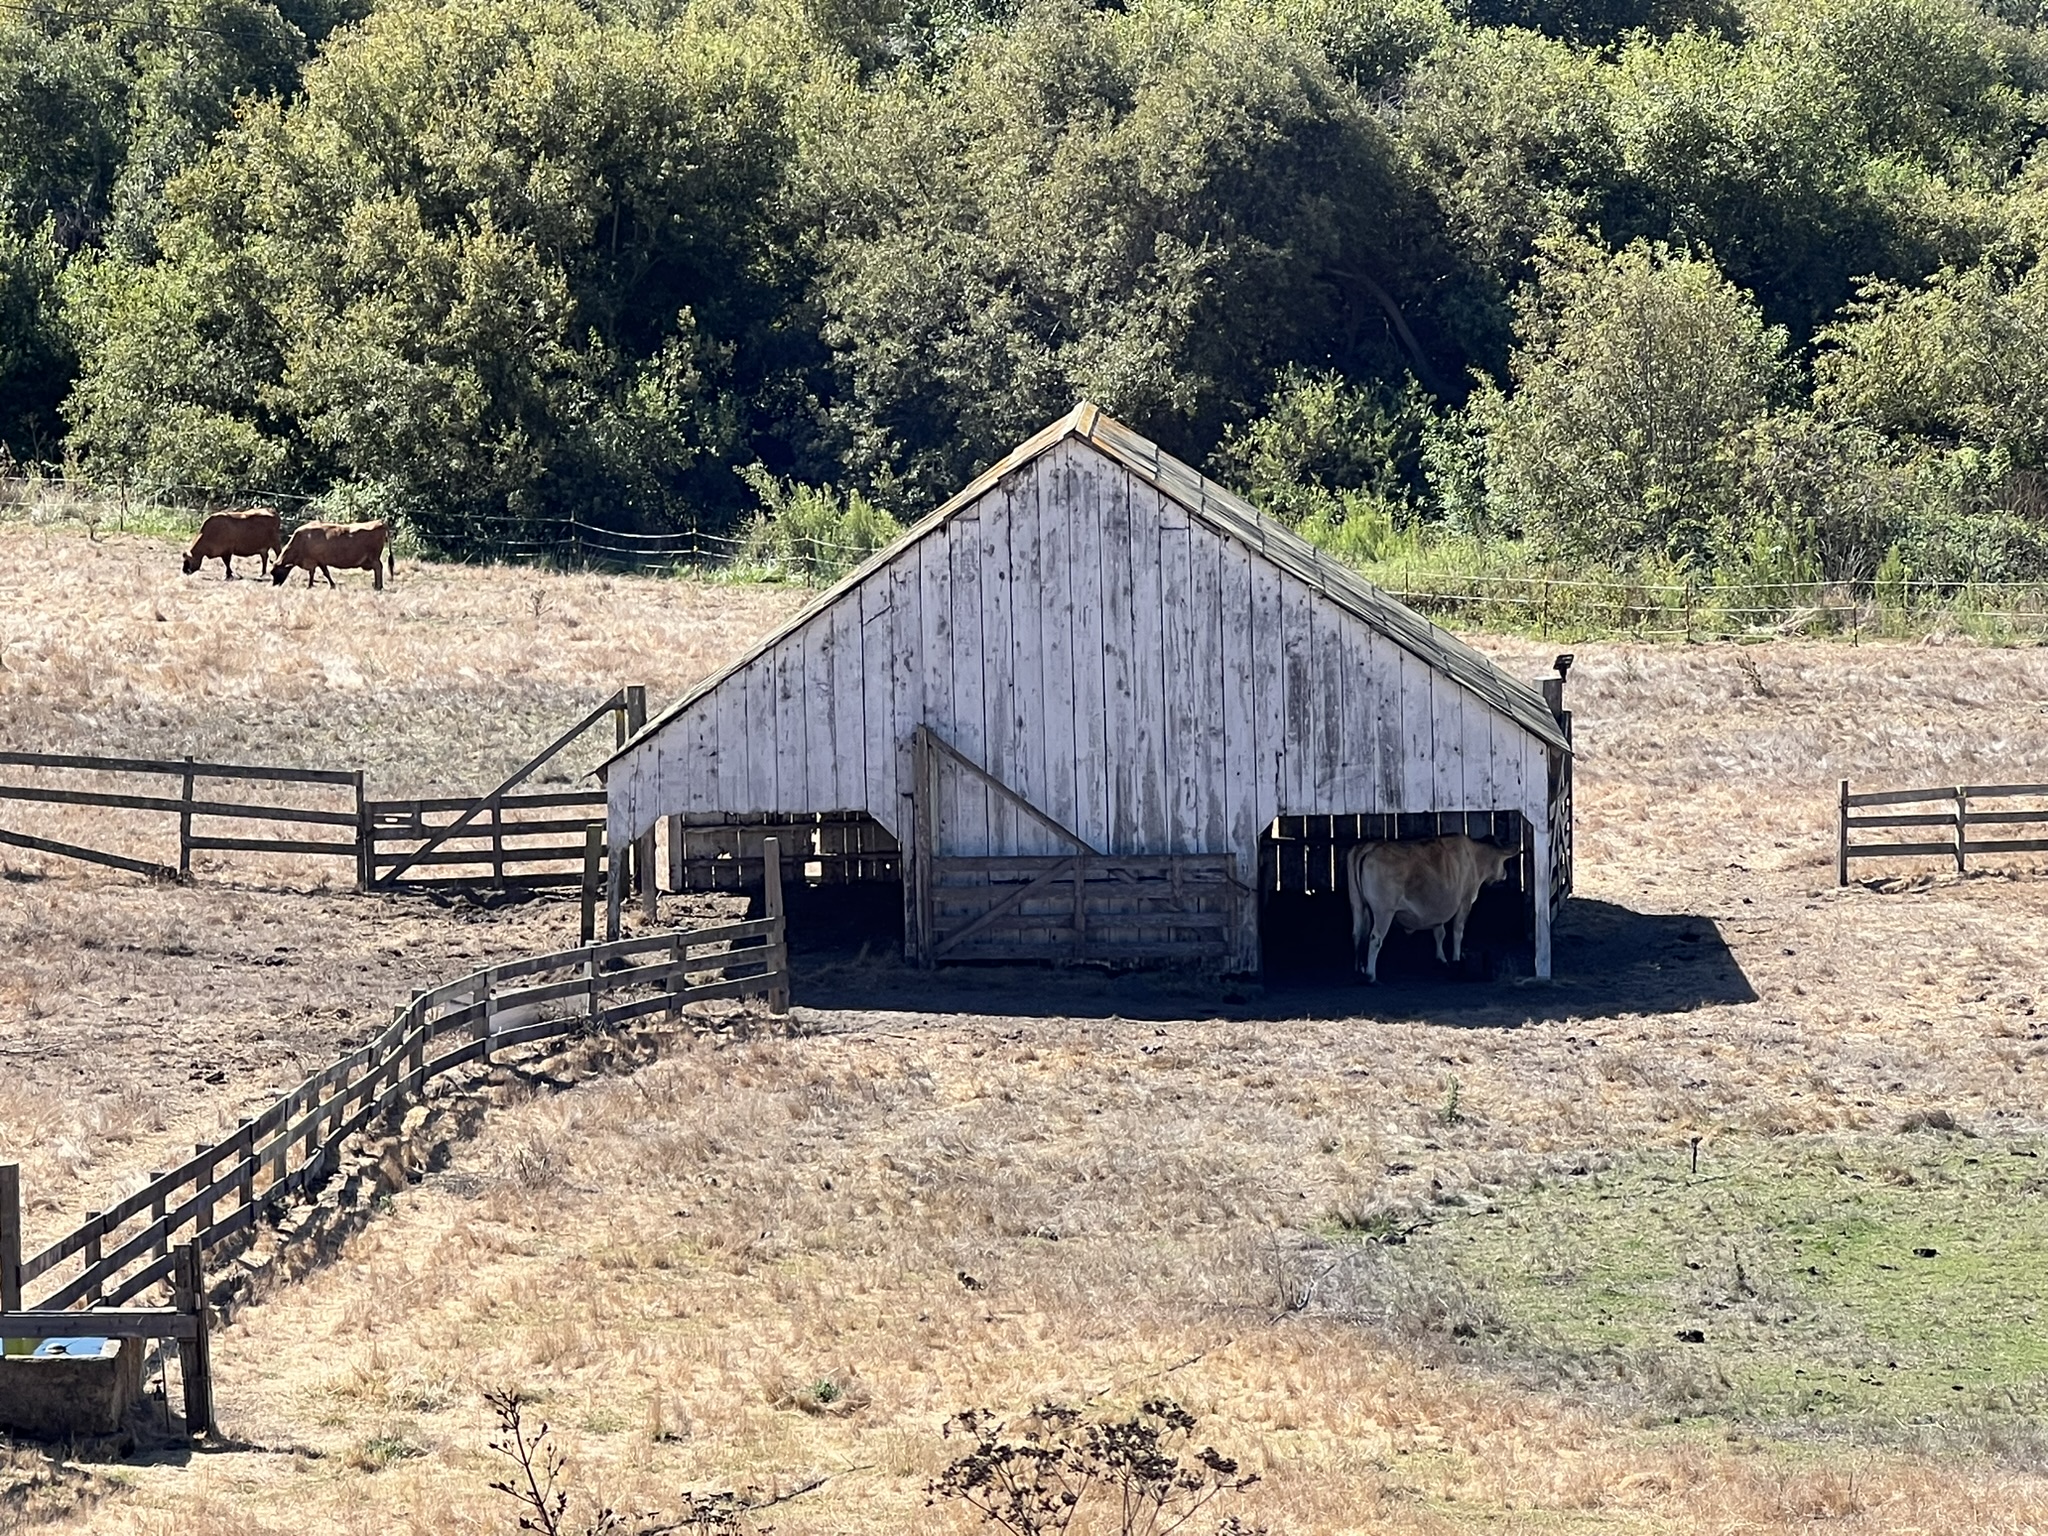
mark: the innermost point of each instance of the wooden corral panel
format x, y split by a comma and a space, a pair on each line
1122, 646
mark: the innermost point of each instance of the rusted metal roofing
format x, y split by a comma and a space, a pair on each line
1226, 513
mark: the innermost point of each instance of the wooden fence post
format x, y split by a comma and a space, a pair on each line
162, 1243
643, 847
498, 841
678, 951
94, 1252
1842, 838
771, 908
591, 1006
203, 1215
618, 857
10, 1237
245, 1157
185, 824
1962, 835
366, 847
593, 860
195, 1355
676, 873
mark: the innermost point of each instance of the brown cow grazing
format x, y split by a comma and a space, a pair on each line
225, 535
349, 546
1418, 885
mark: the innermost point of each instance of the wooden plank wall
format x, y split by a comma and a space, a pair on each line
1148, 682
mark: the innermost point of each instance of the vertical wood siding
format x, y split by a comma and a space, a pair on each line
1149, 683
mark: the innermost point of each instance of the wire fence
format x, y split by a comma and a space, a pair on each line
1535, 602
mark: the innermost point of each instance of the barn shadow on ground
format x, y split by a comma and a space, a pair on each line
1609, 960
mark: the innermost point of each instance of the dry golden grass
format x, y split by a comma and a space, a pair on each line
1132, 1175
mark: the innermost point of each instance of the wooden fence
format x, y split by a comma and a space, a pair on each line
516, 839
499, 838
344, 815
224, 1189
1953, 822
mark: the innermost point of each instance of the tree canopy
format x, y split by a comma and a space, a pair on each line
1624, 279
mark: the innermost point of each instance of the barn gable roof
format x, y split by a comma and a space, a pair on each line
1222, 511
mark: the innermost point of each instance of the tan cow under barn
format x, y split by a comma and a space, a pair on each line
1431, 884
1097, 708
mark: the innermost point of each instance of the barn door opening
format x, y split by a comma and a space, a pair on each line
1073, 903
842, 871
1305, 901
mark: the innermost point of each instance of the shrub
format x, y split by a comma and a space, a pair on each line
811, 532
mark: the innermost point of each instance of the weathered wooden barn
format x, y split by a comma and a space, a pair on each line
1092, 708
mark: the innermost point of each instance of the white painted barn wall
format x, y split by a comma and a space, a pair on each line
1147, 681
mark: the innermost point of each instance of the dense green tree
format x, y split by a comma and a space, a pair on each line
1635, 375
1156, 209
497, 263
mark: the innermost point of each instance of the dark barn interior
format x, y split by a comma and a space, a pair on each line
1305, 908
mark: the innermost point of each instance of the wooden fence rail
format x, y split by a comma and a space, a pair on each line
226, 1187
506, 837
186, 806
1954, 821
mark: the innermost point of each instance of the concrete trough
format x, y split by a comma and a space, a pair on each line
61, 1389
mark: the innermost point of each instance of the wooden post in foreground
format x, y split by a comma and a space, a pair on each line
195, 1355
94, 1252
1962, 837
185, 824
1842, 838
616, 859
643, 847
771, 908
10, 1237
593, 860
365, 844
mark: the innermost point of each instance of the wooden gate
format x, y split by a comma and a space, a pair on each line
1079, 905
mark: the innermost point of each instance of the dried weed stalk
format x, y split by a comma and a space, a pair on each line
536, 1487
1134, 1477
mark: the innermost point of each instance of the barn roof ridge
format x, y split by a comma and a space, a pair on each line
1225, 513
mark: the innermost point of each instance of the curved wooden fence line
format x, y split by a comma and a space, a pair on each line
223, 1190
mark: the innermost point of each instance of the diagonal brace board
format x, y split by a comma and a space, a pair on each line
952, 753
1016, 898
611, 705
92, 856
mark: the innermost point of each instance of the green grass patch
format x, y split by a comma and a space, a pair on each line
1853, 1282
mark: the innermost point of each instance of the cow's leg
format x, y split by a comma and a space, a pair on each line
229, 562
329, 575
1458, 934
1437, 933
312, 575
1382, 925
377, 573
1361, 919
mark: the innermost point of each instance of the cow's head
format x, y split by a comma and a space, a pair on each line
192, 561
278, 571
1494, 861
